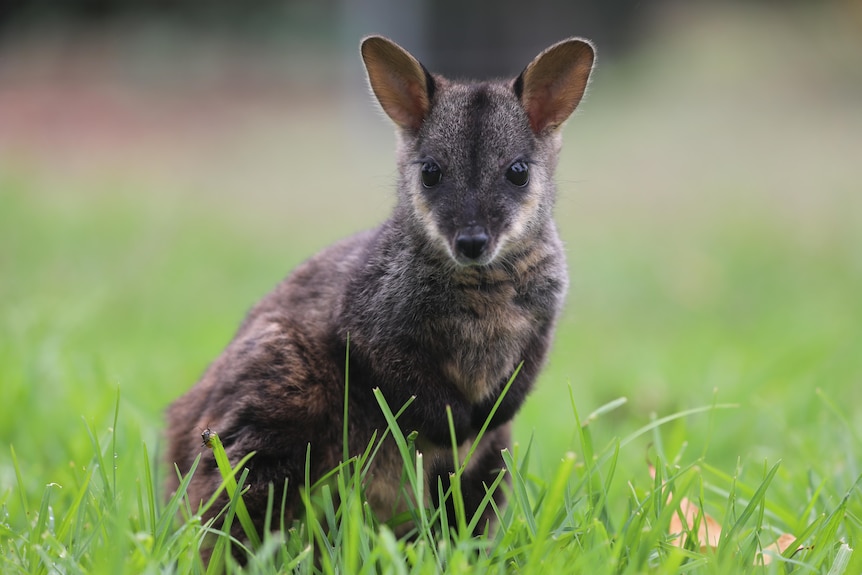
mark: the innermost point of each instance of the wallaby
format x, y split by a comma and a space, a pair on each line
441, 303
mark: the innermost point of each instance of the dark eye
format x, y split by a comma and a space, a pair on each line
518, 174
431, 174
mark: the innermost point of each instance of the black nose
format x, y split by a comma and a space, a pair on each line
471, 242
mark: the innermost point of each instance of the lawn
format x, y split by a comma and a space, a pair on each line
713, 329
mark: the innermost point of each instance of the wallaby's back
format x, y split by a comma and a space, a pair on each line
442, 302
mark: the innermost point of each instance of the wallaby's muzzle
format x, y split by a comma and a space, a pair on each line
471, 243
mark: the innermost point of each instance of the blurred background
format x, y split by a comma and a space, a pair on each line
164, 163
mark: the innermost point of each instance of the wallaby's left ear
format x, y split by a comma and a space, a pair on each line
552, 85
401, 84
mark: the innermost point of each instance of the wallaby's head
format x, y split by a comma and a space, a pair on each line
476, 160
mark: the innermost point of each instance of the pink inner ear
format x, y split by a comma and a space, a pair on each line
418, 104
403, 100
543, 108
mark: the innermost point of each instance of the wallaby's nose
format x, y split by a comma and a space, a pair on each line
471, 242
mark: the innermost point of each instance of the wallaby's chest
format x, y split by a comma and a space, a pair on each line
486, 334
488, 323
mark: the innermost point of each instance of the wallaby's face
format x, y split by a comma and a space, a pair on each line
476, 160
475, 174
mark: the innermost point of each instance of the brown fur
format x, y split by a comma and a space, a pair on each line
427, 315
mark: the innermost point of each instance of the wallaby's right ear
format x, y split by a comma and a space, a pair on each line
401, 84
552, 85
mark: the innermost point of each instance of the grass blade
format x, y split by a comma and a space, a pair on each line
230, 484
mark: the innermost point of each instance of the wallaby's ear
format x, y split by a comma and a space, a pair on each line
401, 84
552, 85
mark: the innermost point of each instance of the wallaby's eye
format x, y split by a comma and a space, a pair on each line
518, 174
431, 174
